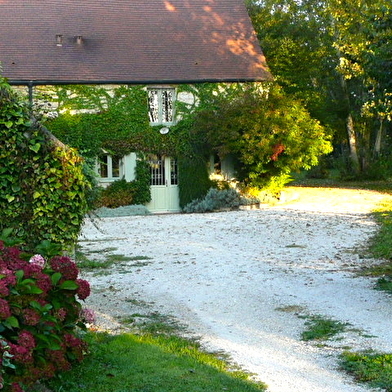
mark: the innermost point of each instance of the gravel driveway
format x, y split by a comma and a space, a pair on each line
241, 279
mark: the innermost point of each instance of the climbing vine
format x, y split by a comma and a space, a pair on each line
42, 185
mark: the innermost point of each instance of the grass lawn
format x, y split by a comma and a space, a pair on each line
147, 363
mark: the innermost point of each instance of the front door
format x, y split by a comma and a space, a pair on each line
164, 184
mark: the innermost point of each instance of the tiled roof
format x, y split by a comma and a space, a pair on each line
128, 41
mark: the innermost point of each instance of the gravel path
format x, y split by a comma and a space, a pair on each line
240, 280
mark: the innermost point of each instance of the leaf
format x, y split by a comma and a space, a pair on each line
35, 147
69, 285
35, 305
10, 198
55, 278
36, 195
33, 290
6, 233
54, 346
16, 188
12, 322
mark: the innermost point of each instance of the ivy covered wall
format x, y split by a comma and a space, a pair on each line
115, 119
43, 190
267, 134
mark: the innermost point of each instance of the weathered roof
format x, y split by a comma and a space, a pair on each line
128, 41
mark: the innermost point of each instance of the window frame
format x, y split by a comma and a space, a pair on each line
109, 163
161, 91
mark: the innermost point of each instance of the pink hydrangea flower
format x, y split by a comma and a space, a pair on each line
4, 291
21, 354
15, 387
87, 315
83, 290
38, 260
26, 339
31, 317
65, 266
61, 314
5, 310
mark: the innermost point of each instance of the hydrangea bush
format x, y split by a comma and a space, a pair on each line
41, 317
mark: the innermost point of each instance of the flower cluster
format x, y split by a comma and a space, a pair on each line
40, 317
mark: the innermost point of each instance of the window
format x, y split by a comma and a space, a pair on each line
161, 105
110, 167
162, 170
157, 170
173, 172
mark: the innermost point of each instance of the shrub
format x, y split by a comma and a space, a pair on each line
217, 199
194, 179
40, 317
122, 193
142, 194
118, 193
267, 133
42, 185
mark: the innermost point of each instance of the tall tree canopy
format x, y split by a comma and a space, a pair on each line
336, 56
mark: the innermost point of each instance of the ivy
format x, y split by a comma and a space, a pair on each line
42, 185
266, 134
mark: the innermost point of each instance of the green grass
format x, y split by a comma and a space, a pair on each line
147, 363
380, 247
322, 328
384, 284
375, 369
86, 263
381, 244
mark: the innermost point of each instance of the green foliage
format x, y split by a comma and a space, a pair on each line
321, 328
151, 363
141, 184
122, 193
116, 122
385, 284
214, 200
268, 133
381, 243
194, 179
40, 317
335, 56
372, 368
42, 186
118, 193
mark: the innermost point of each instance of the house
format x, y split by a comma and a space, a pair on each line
157, 43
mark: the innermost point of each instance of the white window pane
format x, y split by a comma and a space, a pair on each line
167, 106
116, 166
103, 166
153, 105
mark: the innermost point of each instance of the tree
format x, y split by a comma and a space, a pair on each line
363, 41
335, 55
268, 134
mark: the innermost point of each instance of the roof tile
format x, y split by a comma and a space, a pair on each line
129, 41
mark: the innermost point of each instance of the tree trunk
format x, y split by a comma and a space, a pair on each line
352, 142
377, 143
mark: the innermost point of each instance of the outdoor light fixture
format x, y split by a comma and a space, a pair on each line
164, 130
79, 40
59, 40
